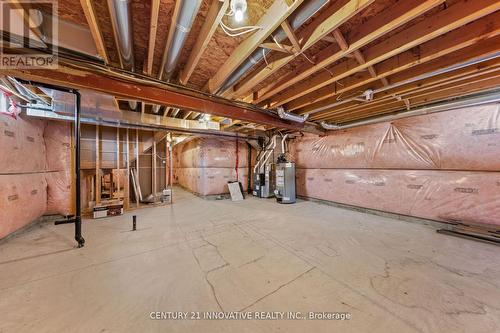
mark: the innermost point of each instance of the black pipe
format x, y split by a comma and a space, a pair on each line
78, 218
134, 223
249, 175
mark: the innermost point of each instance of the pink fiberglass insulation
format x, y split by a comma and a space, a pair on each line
22, 145
34, 170
205, 165
462, 139
57, 136
209, 181
211, 153
23, 199
449, 196
442, 166
58, 193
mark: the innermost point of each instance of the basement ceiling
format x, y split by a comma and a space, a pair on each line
386, 46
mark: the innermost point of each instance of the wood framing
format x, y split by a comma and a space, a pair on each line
482, 29
276, 14
329, 20
155, 94
153, 27
127, 176
393, 17
97, 166
445, 21
215, 13
90, 15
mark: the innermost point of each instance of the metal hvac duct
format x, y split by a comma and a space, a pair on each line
185, 18
290, 116
475, 100
121, 19
297, 19
367, 95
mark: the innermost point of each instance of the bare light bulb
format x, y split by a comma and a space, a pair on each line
238, 16
238, 7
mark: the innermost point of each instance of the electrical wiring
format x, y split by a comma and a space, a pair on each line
234, 32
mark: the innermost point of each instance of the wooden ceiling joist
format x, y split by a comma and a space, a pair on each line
402, 92
446, 20
455, 90
484, 28
90, 15
393, 17
329, 20
275, 15
215, 13
153, 27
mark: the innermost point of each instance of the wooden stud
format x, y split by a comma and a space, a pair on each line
97, 166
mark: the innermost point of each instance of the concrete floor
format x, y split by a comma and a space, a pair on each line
256, 255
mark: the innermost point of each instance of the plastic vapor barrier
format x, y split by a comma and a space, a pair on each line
35, 176
23, 199
443, 166
463, 139
205, 165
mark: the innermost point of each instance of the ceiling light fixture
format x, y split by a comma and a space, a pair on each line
239, 8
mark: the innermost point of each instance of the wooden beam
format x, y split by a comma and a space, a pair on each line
391, 18
153, 27
466, 88
329, 20
277, 13
278, 47
402, 92
445, 21
484, 29
291, 35
89, 12
215, 13
357, 53
153, 93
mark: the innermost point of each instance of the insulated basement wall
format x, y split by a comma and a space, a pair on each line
34, 171
205, 165
443, 166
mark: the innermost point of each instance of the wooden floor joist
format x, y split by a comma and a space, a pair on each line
445, 21
275, 15
376, 27
439, 54
328, 20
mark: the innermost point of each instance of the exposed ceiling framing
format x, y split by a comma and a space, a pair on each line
321, 68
